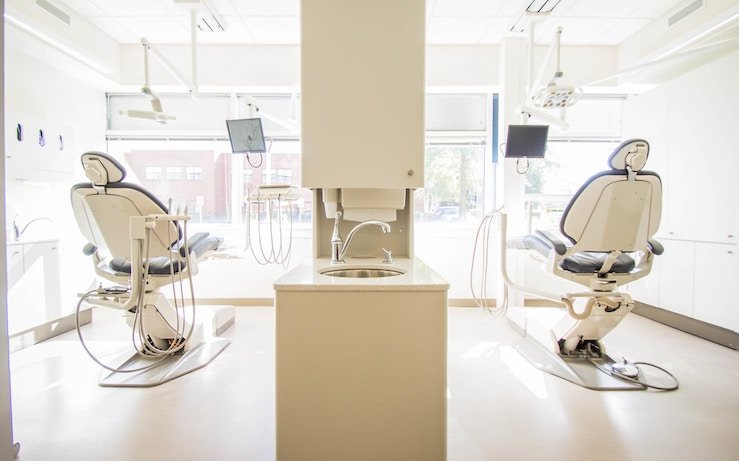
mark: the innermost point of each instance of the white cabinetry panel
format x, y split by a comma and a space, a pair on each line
677, 266
716, 277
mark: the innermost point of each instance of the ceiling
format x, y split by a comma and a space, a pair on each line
585, 22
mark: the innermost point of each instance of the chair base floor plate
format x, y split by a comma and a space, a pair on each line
169, 369
578, 370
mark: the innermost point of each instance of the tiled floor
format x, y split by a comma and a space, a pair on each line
500, 408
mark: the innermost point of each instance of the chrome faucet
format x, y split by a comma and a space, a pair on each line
17, 232
339, 247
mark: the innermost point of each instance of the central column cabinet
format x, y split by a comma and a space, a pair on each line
362, 93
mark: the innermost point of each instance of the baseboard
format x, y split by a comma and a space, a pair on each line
690, 325
48, 330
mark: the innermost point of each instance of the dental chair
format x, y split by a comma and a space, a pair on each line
138, 245
606, 241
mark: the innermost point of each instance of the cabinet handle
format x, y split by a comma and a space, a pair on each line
671, 233
731, 236
731, 252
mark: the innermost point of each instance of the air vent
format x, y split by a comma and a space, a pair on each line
684, 12
55, 11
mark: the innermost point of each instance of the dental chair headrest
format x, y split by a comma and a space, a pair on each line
632, 153
102, 169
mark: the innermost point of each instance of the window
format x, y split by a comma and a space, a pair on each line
572, 157
173, 173
153, 173
194, 173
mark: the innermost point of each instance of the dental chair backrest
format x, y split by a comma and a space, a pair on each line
103, 208
618, 209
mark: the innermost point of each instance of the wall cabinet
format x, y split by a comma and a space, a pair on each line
362, 93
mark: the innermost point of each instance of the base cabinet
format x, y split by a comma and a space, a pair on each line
715, 285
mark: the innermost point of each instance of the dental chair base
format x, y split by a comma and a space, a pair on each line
201, 347
589, 366
170, 367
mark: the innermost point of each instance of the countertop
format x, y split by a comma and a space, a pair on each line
416, 276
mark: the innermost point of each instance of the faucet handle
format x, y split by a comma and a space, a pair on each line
388, 256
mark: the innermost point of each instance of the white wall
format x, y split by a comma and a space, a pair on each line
242, 66
41, 95
80, 35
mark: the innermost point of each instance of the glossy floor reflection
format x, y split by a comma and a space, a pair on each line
500, 407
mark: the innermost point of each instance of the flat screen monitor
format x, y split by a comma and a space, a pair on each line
246, 135
526, 141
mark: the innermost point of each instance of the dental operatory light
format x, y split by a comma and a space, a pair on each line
156, 112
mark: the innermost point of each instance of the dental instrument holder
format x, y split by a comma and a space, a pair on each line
339, 247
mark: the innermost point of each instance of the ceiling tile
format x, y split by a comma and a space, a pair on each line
496, 30
602, 8
157, 29
513, 7
456, 30
82, 7
224, 7
656, 8
132, 8
621, 31
236, 32
467, 7
113, 28
274, 30
575, 31
267, 7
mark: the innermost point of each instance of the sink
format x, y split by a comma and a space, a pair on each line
359, 272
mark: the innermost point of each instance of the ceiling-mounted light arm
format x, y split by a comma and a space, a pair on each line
194, 51
171, 68
264, 110
554, 47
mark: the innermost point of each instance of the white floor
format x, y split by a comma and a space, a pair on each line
500, 407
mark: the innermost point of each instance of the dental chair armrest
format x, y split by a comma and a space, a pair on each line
655, 247
199, 244
89, 249
557, 244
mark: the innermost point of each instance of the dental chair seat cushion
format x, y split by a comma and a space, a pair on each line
157, 266
580, 263
589, 262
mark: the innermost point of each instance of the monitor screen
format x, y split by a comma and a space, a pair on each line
246, 135
526, 141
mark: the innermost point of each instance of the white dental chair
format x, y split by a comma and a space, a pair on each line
606, 241
135, 243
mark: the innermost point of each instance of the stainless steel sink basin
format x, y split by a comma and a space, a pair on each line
361, 272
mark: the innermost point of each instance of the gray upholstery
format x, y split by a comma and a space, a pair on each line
586, 262
107, 192
581, 263
598, 220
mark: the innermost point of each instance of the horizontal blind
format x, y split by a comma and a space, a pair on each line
456, 112
592, 117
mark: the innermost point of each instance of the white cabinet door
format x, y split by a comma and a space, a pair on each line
14, 258
716, 277
702, 185
677, 265
362, 94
